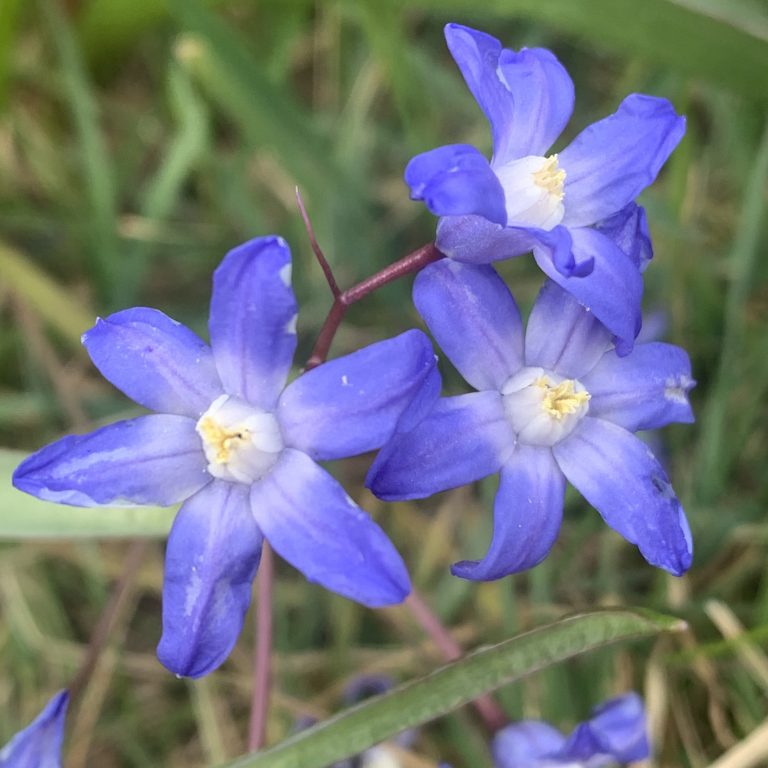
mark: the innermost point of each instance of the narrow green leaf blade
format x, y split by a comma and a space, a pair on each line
25, 517
458, 683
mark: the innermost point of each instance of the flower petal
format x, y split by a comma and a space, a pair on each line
463, 439
154, 360
312, 523
617, 730
475, 240
525, 744
526, 96
155, 459
39, 744
644, 390
477, 56
543, 97
473, 317
612, 291
351, 405
612, 161
527, 515
213, 552
619, 476
455, 180
563, 336
628, 229
253, 320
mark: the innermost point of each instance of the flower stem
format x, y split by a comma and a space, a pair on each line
408, 265
487, 707
263, 653
110, 615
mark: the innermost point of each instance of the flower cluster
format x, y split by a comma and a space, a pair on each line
239, 447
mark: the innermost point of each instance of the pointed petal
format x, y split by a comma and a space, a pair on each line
213, 552
463, 439
312, 523
477, 56
154, 360
527, 515
628, 229
475, 240
612, 161
612, 291
617, 730
563, 336
526, 96
525, 744
619, 476
351, 405
253, 320
155, 459
473, 317
543, 97
644, 390
39, 744
455, 180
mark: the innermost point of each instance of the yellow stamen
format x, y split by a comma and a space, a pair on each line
550, 177
223, 441
561, 400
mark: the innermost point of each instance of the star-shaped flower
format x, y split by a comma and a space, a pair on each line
39, 744
239, 448
554, 403
575, 210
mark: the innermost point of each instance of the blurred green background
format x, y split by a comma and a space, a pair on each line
141, 139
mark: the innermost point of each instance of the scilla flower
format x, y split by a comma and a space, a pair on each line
240, 450
39, 744
616, 733
574, 209
556, 403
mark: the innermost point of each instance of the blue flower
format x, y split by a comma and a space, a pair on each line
616, 733
574, 210
39, 744
239, 450
555, 403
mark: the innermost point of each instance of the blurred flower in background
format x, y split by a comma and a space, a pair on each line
39, 744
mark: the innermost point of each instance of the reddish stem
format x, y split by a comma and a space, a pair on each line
408, 265
261, 667
318, 251
489, 710
118, 602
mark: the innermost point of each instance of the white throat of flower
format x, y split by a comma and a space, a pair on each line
542, 407
533, 190
241, 442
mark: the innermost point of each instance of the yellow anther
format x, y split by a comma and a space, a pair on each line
223, 441
561, 400
550, 177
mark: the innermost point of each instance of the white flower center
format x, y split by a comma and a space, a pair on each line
240, 442
533, 190
542, 407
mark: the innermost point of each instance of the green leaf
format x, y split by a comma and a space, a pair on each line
99, 191
375, 720
25, 517
725, 41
